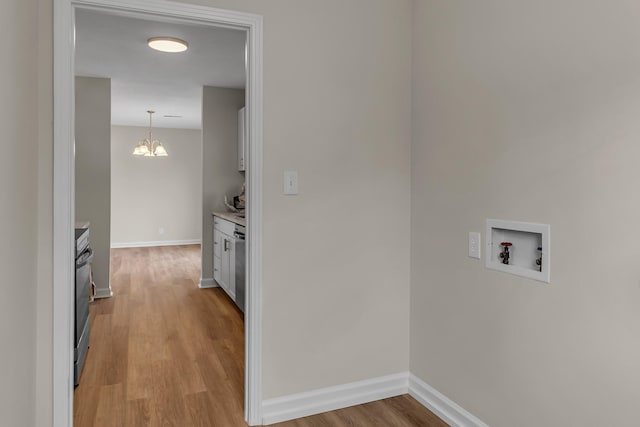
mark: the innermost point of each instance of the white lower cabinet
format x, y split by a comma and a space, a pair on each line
224, 255
217, 269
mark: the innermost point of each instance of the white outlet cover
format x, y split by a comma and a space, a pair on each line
474, 244
290, 182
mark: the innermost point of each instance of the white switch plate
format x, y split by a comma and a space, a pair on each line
474, 244
290, 182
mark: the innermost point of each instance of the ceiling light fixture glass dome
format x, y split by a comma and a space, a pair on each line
168, 44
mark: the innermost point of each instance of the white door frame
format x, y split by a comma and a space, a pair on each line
63, 185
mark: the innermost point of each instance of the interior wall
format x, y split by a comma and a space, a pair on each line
44, 336
528, 111
155, 200
93, 171
337, 108
219, 160
18, 211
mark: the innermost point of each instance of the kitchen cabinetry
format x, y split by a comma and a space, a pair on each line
242, 138
224, 255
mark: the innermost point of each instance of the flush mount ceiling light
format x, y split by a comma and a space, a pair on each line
168, 44
150, 147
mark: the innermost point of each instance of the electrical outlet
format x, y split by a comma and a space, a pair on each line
474, 244
290, 183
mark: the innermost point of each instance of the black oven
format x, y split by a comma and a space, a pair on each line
84, 255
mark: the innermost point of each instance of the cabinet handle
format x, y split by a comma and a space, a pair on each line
226, 248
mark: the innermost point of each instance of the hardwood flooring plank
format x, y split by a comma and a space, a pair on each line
414, 412
111, 407
138, 413
378, 414
85, 405
206, 411
168, 403
188, 372
139, 376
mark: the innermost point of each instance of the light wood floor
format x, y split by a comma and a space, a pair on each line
166, 353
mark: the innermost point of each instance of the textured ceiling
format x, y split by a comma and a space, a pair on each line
141, 78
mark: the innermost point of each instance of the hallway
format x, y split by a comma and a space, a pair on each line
163, 351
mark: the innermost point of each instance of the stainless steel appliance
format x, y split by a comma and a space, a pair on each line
84, 255
240, 256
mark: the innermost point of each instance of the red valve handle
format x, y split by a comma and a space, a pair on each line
506, 244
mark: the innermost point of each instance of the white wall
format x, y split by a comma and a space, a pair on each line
18, 211
155, 200
93, 171
219, 160
528, 111
43, 405
337, 91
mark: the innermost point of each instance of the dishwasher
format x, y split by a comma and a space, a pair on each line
240, 257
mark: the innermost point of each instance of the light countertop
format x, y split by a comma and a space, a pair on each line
230, 216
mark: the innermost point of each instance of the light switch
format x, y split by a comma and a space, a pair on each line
474, 244
290, 182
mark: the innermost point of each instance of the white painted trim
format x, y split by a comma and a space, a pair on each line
156, 243
331, 398
254, 175
103, 293
343, 396
445, 408
63, 213
208, 283
63, 185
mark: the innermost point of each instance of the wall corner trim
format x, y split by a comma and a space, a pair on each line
445, 408
104, 293
207, 283
122, 245
331, 398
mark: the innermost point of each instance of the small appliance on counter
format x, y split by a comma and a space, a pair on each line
239, 202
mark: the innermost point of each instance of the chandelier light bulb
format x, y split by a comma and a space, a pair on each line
150, 147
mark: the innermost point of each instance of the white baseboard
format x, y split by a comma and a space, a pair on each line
208, 283
331, 398
156, 243
103, 293
445, 408
342, 396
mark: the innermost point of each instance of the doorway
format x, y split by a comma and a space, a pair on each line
64, 183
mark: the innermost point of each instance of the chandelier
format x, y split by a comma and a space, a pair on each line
150, 147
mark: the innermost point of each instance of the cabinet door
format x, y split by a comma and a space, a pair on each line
242, 137
217, 270
217, 243
217, 257
225, 258
231, 290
